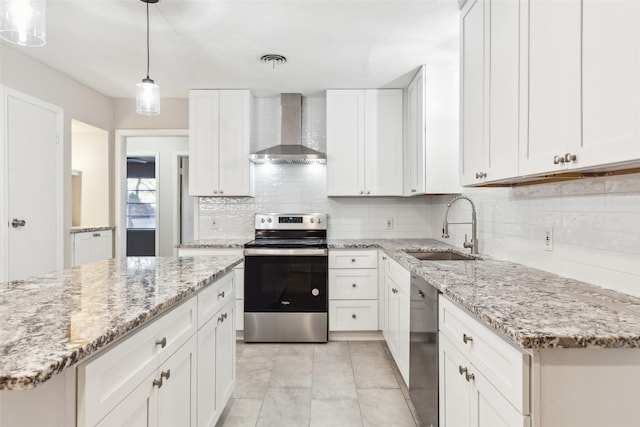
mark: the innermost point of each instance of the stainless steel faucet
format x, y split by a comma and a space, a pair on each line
473, 244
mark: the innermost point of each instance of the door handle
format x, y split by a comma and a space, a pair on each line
18, 223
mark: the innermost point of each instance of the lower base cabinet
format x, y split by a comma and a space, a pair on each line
397, 314
165, 398
216, 364
467, 398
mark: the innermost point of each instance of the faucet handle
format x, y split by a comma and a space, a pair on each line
467, 244
445, 230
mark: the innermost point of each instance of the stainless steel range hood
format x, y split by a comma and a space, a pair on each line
290, 149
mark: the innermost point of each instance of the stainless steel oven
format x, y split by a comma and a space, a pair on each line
286, 279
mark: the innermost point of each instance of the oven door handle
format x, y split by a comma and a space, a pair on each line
285, 252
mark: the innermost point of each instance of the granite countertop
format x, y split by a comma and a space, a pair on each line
215, 243
87, 229
530, 307
53, 321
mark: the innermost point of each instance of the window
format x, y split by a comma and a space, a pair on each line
141, 203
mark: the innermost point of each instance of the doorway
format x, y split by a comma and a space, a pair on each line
142, 205
168, 147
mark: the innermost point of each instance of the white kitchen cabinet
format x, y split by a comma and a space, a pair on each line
415, 153
216, 363
165, 398
397, 314
364, 142
238, 275
490, 34
219, 143
92, 246
353, 290
583, 59
484, 381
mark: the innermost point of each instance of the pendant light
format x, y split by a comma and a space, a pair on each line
148, 92
23, 22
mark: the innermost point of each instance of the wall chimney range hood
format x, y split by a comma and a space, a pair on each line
290, 149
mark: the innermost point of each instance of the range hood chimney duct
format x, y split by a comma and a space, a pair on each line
290, 149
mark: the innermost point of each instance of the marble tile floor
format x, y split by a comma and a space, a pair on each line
338, 384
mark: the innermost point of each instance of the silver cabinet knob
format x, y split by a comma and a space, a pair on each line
165, 374
569, 157
413, 190
215, 191
462, 370
558, 160
469, 377
353, 260
157, 383
466, 338
221, 191
15, 223
368, 192
96, 234
361, 191
353, 285
221, 294
480, 175
353, 316
162, 343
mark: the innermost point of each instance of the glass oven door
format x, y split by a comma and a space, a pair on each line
295, 282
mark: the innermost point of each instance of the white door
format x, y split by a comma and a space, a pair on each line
33, 186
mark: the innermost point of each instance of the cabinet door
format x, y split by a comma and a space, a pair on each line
345, 143
404, 314
472, 129
554, 89
393, 316
139, 409
204, 126
235, 140
103, 245
208, 411
415, 153
383, 142
504, 85
82, 248
455, 409
176, 397
611, 88
489, 408
225, 354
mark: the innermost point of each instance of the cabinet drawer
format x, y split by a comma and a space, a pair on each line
214, 296
353, 259
353, 315
106, 380
500, 362
353, 283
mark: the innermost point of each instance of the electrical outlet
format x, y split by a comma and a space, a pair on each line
389, 223
548, 239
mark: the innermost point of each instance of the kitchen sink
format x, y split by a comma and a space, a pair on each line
441, 256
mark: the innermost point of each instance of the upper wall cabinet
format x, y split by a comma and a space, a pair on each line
220, 143
490, 31
584, 95
364, 142
566, 95
431, 160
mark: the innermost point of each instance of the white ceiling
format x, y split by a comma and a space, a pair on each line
217, 44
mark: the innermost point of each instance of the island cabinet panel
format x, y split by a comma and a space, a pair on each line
106, 380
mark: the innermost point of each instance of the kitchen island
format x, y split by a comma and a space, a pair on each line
55, 325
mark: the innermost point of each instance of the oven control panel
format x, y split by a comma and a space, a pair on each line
275, 221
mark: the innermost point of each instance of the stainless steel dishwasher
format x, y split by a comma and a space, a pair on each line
423, 353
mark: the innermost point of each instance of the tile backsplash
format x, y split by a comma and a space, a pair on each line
594, 224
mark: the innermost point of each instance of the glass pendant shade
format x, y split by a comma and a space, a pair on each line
147, 97
23, 22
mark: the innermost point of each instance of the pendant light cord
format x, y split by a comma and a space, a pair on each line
147, 40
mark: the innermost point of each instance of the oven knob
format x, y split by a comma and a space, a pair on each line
262, 220
319, 220
269, 220
311, 220
315, 292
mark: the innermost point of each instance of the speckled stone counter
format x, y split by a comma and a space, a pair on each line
532, 308
81, 229
215, 243
51, 322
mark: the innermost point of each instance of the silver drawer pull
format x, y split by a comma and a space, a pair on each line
162, 343
466, 338
462, 370
221, 294
353, 260
157, 383
18, 223
353, 285
469, 377
353, 316
165, 374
